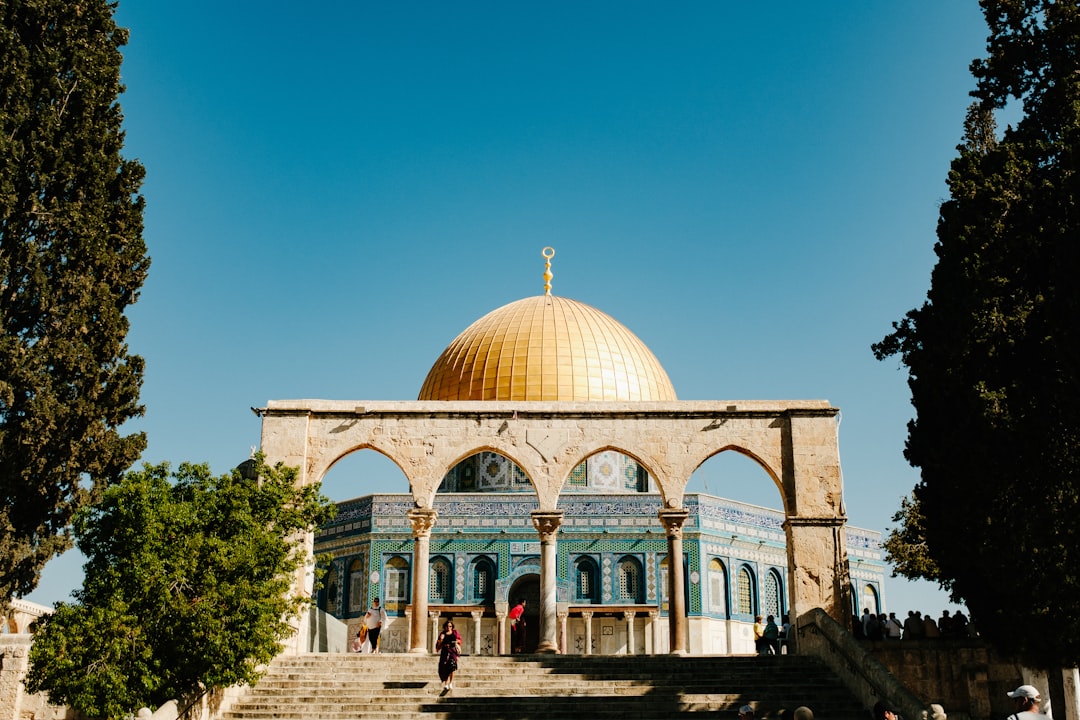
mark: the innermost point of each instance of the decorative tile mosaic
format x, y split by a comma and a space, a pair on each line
605, 527
605, 578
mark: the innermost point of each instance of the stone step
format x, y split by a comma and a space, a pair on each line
404, 687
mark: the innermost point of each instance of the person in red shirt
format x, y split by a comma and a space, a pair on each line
517, 627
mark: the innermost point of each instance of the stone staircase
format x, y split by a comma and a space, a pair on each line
542, 687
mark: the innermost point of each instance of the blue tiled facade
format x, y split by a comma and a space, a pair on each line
612, 555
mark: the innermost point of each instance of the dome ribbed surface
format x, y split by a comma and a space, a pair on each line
547, 348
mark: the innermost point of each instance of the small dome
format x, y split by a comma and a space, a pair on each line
547, 348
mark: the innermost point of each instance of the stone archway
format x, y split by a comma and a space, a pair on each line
528, 587
795, 442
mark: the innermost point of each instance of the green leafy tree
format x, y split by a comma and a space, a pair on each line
190, 586
72, 259
994, 353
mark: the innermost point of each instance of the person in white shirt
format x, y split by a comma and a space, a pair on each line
374, 621
1026, 702
893, 629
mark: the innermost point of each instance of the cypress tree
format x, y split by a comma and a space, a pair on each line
72, 258
993, 354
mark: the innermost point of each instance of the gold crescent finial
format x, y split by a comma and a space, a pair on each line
548, 253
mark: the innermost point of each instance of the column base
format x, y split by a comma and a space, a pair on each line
547, 648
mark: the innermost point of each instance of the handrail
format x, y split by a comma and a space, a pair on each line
821, 636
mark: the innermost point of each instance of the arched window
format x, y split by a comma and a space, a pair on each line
397, 580
586, 581
771, 595
717, 588
744, 592
870, 599
628, 586
357, 599
332, 591
483, 585
439, 590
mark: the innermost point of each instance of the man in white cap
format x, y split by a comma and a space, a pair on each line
1026, 703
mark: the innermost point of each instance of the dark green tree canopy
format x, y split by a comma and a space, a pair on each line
189, 586
72, 258
994, 354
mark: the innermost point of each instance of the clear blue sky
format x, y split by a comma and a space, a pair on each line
335, 190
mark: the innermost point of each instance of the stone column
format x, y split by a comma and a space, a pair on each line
341, 602
476, 615
818, 573
547, 525
586, 616
422, 519
563, 615
654, 635
631, 639
673, 520
434, 616
500, 621
14, 659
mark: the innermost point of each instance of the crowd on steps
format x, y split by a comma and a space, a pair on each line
915, 627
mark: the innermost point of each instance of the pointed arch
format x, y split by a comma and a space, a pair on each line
772, 594
486, 469
607, 470
482, 589
745, 593
629, 580
358, 467
586, 580
441, 580
727, 460
397, 575
718, 588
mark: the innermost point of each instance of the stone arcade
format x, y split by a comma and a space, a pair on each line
510, 453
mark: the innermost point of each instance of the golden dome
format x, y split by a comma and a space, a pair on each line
547, 348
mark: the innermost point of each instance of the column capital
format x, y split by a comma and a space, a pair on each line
547, 523
476, 614
434, 614
673, 520
629, 614
422, 519
832, 521
654, 614
500, 615
587, 614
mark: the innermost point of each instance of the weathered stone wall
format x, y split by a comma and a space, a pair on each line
15, 702
964, 676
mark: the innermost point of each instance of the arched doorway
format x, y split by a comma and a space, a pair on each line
528, 587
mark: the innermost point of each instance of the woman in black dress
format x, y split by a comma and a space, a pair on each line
449, 647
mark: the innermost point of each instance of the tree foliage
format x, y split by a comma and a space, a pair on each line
993, 354
72, 259
190, 585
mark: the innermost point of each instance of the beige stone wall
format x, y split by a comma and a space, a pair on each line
964, 676
15, 702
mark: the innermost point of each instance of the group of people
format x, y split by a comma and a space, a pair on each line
770, 638
746, 712
915, 627
367, 638
448, 644
1026, 706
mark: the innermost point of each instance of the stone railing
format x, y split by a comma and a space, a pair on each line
822, 637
